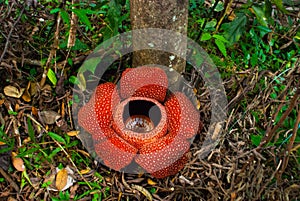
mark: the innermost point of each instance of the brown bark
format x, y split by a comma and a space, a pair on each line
166, 14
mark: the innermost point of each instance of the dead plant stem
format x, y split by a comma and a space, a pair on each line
10, 33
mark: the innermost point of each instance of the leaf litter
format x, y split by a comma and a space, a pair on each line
236, 170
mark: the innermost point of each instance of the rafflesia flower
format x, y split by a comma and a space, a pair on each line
141, 121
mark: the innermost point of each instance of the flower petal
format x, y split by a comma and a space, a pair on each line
183, 117
163, 157
150, 82
96, 115
106, 98
115, 152
87, 119
172, 169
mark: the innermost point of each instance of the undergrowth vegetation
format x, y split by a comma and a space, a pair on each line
254, 44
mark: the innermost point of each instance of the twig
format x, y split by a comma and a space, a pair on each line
290, 145
9, 180
73, 27
52, 52
271, 132
2, 121
70, 113
224, 14
124, 182
144, 191
9, 34
35, 121
262, 188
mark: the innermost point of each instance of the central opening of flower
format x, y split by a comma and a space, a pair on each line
141, 116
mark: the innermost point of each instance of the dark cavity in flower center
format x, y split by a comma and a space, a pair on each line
141, 116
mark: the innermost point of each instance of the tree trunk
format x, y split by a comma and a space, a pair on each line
162, 14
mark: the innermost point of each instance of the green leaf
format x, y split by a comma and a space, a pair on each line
54, 152
79, 45
82, 17
219, 7
10, 112
264, 30
46, 184
30, 130
25, 175
211, 24
255, 139
113, 21
91, 12
268, 9
52, 77
73, 79
57, 137
152, 190
65, 16
260, 15
90, 64
280, 6
55, 10
6, 149
205, 36
221, 46
70, 62
254, 59
221, 38
235, 29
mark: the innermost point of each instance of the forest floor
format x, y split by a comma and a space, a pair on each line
257, 157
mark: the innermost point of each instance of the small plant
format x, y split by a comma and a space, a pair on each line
6, 140
63, 196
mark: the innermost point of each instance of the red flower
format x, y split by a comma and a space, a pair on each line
139, 122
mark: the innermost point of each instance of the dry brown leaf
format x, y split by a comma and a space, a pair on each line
85, 171
18, 162
26, 140
231, 14
33, 88
73, 191
62, 109
233, 196
151, 182
13, 91
26, 95
47, 87
73, 133
61, 179
2, 143
17, 107
10, 198
2, 101
34, 111
49, 117
198, 104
